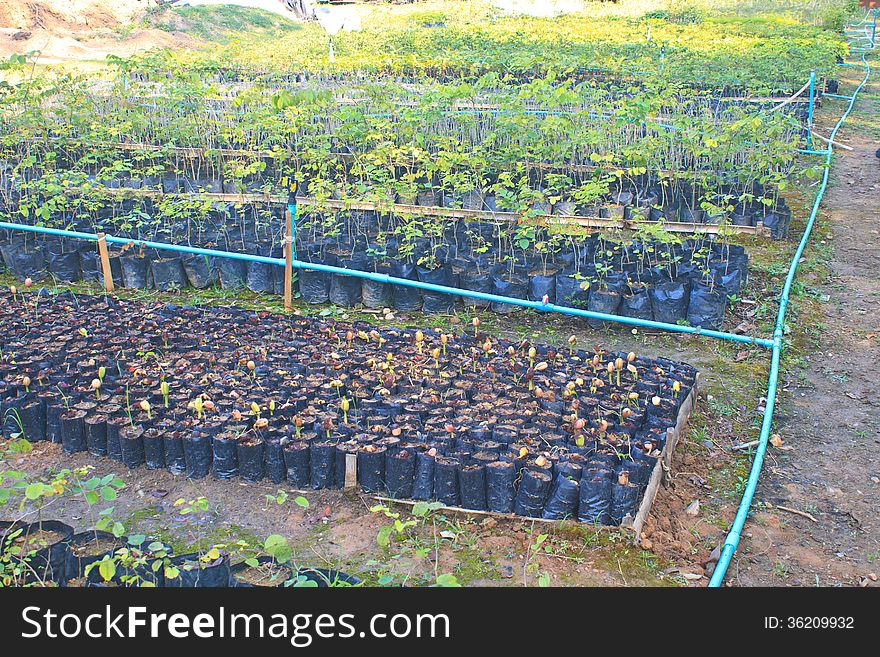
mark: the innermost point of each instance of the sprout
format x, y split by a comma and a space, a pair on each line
579, 381
475, 322
145, 406
209, 405
13, 290
580, 423
28, 282
297, 424
572, 341
603, 426
83, 333
102, 372
626, 413
630, 357
435, 353
197, 405
261, 423
26, 382
164, 388
532, 353
541, 461
450, 429
96, 386
676, 387
344, 405
623, 478
236, 415
443, 340
271, 406
252, 367
540, 367
655, 400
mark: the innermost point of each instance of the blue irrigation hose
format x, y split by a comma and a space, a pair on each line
384, 278
732, 540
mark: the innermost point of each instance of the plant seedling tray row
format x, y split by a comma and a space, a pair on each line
467, 420
636, 524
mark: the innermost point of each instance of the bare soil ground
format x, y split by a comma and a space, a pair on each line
77, 30
830, 415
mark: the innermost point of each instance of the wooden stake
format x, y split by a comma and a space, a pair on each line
105, 262
288, 260
351, 468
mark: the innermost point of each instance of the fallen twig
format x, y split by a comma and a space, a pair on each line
751, 443
803, 514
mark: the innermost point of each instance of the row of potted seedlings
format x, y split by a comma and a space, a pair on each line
655, 277
51, 553
466, 419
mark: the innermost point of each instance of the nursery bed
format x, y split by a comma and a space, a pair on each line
467, 420
635, 525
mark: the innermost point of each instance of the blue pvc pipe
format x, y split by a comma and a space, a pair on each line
733, 536
384, 278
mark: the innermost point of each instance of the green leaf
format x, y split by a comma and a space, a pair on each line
91, 497
107, 569
108, 493
33, 491
301, 501
384, 537
447, 580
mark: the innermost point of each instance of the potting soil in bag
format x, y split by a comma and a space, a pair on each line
637, 304
639, 471
707, 306
261, 277
400, 470
175, 457
624, 501
73, 438
24, 260
446, 488
541, 286
296, 460
33, 420
322, 458
423, 486
669, 301
251, 455
154, 449
195, 573
276, 471
371, 468
233, 273
376, 294
168, 274
472, 483
314, 286
406, 299
476, 281
64, 266
533, 491
197, 453
345, 291
131, 447
594, 503
199, 270
728, 277
500, 476
436, 302
571, 292
96, 435
563, 500
602, 301
225, 457
135, 271
90, 265
515, 286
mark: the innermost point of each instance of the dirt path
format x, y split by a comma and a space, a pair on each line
830, 413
